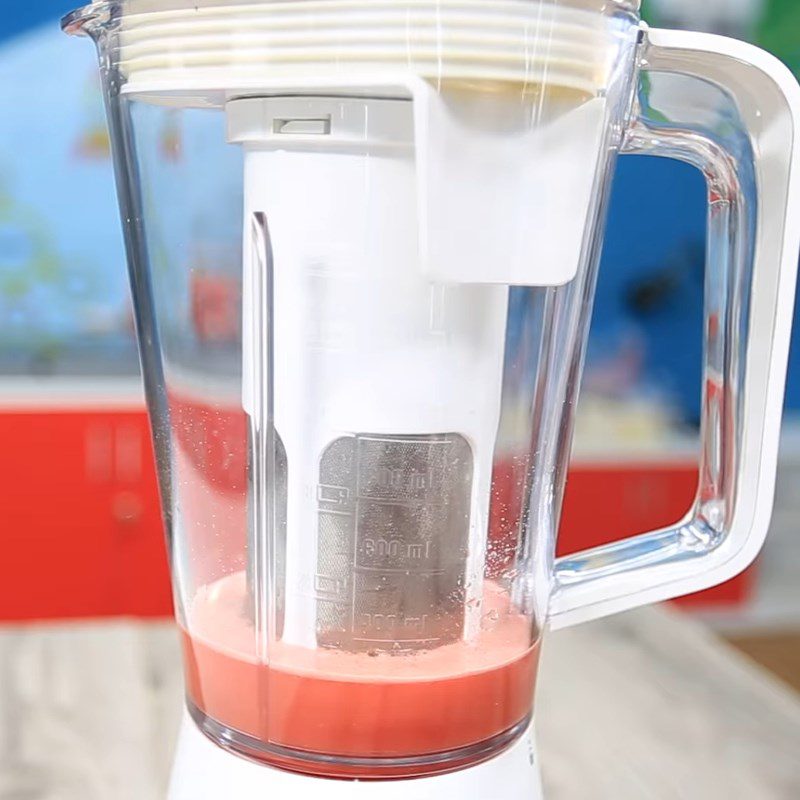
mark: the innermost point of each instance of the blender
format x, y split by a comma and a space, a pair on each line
407, 200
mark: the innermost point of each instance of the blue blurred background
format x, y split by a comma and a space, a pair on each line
63, 294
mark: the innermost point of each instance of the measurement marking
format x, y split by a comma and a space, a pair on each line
393, 570
394, 548
407, 503
356, 527
327, 493
395, 641
402, 440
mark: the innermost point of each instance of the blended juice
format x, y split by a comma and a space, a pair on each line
349, 705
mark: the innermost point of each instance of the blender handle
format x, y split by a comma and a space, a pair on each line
750, 157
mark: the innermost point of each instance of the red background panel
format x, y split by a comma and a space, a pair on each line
81, 528
607, 502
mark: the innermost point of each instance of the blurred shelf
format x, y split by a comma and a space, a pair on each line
56, 393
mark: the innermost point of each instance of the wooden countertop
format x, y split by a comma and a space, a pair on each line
644, 705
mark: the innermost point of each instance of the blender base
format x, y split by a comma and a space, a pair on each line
204, 771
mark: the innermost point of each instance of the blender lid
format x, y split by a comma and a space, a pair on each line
224, 45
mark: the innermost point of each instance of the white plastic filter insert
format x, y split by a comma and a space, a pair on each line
395, 229
503, 203
363, 341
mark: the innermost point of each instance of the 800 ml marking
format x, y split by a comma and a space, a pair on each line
394, 548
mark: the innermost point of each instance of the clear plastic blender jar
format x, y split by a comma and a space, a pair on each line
403, 204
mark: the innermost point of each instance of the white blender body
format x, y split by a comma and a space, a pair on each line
362, 489
513, 774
